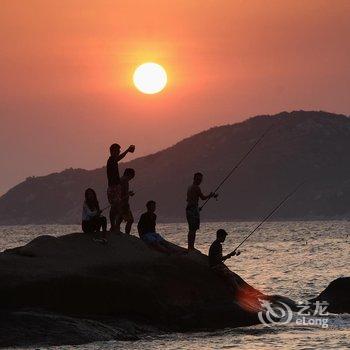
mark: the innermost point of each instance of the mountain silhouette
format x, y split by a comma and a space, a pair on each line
302, 145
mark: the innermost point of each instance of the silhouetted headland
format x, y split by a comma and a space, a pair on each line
302, 145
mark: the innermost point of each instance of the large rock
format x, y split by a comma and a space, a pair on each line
337, 295
72, 290
73, 276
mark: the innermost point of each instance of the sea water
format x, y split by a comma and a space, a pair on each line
294, 259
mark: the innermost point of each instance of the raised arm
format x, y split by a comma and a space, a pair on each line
131, 149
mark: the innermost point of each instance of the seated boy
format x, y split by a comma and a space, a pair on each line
147, 230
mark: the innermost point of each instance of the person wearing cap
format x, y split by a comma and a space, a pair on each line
215, 251
113, 191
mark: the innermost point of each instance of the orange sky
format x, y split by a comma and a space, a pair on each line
66, 67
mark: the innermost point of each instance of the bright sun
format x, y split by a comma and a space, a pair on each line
150, 78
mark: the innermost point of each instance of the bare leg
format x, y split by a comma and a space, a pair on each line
191, 238
100, 222
118, 223
128, 226
104, 226
113, 217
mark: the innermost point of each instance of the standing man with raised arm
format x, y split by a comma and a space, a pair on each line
114, 180
194, 193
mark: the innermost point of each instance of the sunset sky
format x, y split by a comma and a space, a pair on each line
66, 67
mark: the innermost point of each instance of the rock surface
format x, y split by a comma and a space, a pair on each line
72, 290
337, 294
75, 277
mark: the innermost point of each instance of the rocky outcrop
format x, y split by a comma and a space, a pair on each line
73, 290
76, 277
301, 146
337, 295
39, 328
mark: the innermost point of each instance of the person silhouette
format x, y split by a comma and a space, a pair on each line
123, 207
92, 220
113, 178
243, 292
148, 233
194, 193
215, 251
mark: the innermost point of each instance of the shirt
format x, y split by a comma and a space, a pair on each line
147, 223
88, 214
112, 172
215, 254
193, 194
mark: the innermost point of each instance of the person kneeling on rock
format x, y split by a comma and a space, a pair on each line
92, 220
147, 230
242, 290
216, 259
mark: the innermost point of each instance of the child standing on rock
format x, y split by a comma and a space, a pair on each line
123, 207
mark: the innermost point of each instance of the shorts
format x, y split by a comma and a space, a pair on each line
193, 218
113, 194
152, 237
125, 214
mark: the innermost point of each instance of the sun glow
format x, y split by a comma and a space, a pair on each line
150, 78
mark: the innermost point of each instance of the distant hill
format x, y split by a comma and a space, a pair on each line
301, 145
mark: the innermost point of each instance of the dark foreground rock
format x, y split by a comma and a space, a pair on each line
72, 290
34, 327
337, 295
79, 279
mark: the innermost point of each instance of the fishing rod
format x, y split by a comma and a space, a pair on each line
271, 213
236, 166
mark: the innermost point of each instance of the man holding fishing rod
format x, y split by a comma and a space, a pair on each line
243, 291
216, 259
245, 294
194, 193
215, 251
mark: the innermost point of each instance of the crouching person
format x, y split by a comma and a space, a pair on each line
92, 220
246, 295
147, 230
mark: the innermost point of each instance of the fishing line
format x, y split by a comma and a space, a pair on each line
272, 212
237, 165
